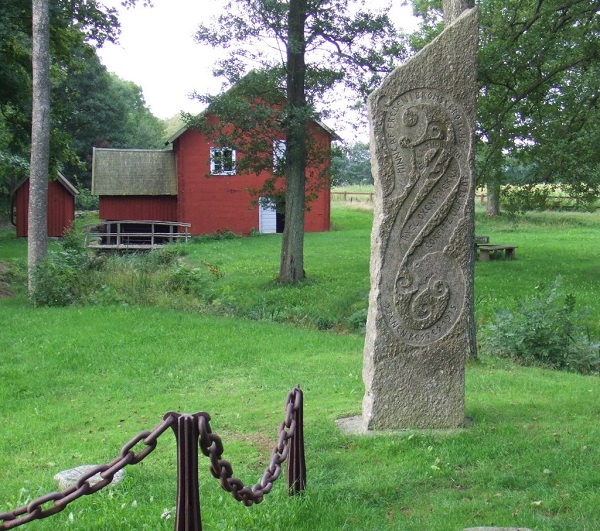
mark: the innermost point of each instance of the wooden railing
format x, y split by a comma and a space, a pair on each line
135, 234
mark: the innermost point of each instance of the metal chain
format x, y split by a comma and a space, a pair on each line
210, 444
34, 510
212, 447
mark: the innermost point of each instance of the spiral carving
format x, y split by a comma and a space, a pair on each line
425, 188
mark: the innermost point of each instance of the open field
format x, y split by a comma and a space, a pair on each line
79, 382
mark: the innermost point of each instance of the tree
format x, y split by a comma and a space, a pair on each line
538, 80
352, 165
37, 243
304, 48
98, 109
71, 23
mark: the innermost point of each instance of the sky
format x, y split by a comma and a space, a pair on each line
157, 51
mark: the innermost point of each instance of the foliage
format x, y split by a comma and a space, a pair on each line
84, 200
173, 125
88, 106
321, 44
99, 109
71, 275
538, 104
71, 24
351, 164
544, 329
345, 43
521, 199
62, 277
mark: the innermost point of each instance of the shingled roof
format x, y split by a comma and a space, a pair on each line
134, 172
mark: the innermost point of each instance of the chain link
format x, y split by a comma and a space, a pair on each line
212, 447
34, 510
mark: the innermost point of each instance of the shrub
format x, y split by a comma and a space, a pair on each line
59, 279
84, 200
521, 199
544, 329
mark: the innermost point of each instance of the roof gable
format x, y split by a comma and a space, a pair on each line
134, 172
60, 178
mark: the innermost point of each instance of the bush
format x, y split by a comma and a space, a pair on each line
59, 280
521, 199
544, 329
84, 200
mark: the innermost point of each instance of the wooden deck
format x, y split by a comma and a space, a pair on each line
135, 235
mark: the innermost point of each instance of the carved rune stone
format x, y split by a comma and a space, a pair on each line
420, 323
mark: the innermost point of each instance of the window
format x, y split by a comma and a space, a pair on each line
278, 157
222, 161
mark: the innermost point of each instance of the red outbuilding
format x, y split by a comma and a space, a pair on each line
61, 206
197, 182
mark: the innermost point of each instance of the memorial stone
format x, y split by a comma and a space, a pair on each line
420, 326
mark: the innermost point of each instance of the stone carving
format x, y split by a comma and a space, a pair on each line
426, 189
420, 323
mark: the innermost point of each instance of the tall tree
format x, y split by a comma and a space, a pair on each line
292, 249
305, 47
37, 243
538, 79
98, 109
36, 45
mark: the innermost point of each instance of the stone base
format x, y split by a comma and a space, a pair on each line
358, 426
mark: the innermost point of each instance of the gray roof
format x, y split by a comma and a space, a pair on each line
134, 172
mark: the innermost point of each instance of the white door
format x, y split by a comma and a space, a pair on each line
267, 216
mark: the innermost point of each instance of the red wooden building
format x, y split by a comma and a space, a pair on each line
194, 181
61, 206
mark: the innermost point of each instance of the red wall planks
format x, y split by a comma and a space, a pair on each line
61, 209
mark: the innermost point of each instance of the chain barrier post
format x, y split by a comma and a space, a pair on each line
187, 434
296, 470
192, 433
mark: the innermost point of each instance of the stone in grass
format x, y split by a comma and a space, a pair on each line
67, 478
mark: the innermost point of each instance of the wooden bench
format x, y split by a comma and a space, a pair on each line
487, 251
494, 252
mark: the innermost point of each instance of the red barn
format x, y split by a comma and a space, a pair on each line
195, 181
61, 206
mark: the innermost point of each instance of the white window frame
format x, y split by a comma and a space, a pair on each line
216, 161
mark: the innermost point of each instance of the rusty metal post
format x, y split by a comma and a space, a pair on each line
296, 470
187, 433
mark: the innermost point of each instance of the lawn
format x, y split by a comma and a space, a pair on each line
79, 382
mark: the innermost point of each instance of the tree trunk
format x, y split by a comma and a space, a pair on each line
493, 199
37, 244
291, 268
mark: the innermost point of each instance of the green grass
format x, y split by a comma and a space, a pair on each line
551, 244
82, 381
335, 295
79, 382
